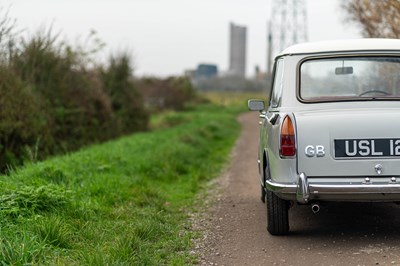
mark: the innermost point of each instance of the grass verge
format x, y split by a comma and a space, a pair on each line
124, 202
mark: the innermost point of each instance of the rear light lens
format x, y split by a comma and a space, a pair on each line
288, 140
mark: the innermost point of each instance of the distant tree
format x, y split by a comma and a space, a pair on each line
377, 18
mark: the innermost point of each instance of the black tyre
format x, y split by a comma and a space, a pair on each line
263, 193
277, 214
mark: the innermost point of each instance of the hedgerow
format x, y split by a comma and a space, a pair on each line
55, 97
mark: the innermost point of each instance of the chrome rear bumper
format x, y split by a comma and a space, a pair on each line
337, 189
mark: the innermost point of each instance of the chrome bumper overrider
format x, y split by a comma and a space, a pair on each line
336, 190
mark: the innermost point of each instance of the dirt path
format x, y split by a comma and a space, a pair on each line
340, 234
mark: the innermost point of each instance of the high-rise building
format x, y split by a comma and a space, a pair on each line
237, 57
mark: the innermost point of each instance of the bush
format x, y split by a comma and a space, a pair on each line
22, 120
173, 93
53, 101
80, 107
126, 101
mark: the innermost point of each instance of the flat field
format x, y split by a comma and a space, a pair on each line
238, 99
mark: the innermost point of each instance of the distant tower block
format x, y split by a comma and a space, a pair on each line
237, 50
287, 26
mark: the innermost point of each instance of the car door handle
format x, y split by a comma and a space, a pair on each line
272, 119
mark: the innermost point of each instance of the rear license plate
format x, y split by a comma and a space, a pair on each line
366, 148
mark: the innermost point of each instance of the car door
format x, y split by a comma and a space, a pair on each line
269, 133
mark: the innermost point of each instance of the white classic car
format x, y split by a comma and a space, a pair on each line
331, 131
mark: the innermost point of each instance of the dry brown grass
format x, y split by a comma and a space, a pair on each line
238, 99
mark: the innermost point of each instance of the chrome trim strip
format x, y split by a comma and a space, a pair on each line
338, 54
303, 192
355, 189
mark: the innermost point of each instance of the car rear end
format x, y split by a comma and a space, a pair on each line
346, 129
349, 155
332, 129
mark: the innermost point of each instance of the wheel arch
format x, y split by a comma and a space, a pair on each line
265, 167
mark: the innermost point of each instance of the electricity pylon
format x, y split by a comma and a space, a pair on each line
287, 26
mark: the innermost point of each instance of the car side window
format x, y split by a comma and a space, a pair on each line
277, 85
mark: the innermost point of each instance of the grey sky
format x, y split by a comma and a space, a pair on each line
168, 36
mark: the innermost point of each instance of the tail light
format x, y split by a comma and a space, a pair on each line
288, 140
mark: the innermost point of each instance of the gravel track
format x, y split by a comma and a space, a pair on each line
234, 226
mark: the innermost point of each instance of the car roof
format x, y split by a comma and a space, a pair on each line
343, 46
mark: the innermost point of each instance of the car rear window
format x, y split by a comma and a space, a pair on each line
350, 78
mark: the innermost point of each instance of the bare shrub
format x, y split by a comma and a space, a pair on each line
377, 19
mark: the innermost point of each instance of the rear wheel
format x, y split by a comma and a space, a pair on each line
277, 214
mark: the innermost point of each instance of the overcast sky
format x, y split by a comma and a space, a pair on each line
169, 36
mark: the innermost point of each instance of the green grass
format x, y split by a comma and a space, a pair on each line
125, 202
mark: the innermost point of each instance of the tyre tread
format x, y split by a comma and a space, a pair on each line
277, 214
263, 193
